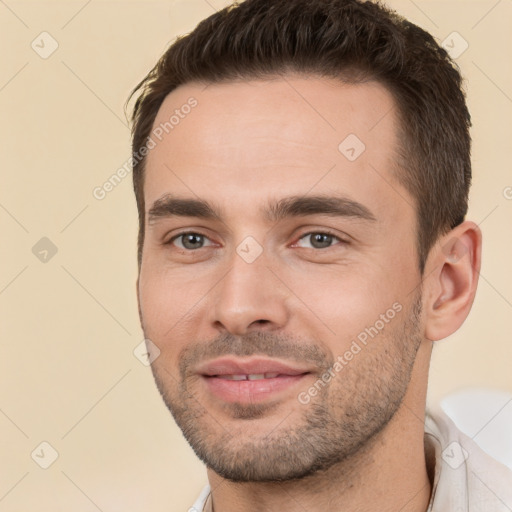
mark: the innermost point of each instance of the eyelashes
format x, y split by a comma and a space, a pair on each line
192, 241
190, 238
320, 238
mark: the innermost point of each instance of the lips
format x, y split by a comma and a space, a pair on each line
253, 366
253, 376
253, 380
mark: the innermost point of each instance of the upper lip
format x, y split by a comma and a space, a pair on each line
253, 366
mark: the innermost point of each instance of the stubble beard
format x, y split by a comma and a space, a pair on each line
338, 424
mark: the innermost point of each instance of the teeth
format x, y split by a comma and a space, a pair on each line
253, 376
256, 376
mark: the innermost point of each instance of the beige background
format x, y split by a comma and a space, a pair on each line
69, 325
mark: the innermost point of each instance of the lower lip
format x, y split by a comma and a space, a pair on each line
251, 391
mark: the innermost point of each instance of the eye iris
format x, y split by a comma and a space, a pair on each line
321, 240
192, 241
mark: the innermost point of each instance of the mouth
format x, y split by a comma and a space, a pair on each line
253, 376
250, 380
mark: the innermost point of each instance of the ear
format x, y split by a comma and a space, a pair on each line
452, 272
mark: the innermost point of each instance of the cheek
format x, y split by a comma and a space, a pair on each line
169, 299
157, 301
345, 299
349, 309
161, 314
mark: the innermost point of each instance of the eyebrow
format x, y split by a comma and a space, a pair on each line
293, 206
301, 206
170, 206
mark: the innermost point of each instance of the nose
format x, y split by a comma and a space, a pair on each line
249, 297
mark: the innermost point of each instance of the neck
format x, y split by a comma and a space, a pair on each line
388, 474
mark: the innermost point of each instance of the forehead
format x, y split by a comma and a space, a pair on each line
241, 140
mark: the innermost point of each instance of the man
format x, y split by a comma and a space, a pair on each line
301, 170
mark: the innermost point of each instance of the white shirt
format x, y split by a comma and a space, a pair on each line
466, 478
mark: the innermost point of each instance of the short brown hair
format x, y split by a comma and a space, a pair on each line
352, 40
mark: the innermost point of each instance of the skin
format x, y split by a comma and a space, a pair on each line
247, 143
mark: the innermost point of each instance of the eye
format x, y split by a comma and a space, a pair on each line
318, 240
190, 241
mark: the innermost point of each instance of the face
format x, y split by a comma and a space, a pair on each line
279, 272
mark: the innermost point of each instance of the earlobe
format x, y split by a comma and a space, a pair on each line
452, 269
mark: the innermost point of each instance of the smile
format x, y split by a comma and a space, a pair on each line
250, 380
254, 376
